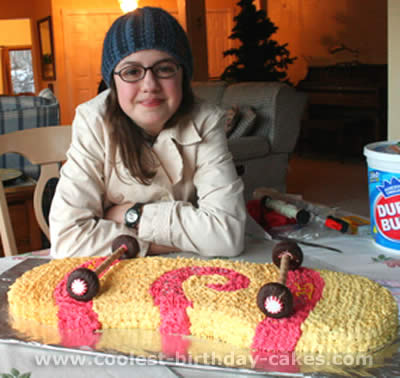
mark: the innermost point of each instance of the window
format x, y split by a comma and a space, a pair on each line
18, 70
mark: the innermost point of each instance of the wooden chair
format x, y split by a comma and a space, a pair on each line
45, 146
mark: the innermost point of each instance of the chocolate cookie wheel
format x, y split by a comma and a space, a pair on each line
83, 284
275, 299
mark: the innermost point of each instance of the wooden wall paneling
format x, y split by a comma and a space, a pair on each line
219, 27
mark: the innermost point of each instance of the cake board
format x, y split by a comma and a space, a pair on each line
150, 347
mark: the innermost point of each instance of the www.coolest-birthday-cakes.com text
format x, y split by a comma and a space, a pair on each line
232, 359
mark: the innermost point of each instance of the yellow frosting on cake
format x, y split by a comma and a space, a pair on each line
353, 315
212, 309
31, 296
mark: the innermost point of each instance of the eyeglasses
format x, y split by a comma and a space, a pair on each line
135, 72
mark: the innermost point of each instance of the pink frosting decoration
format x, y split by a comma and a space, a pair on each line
169, 296
283, 334
77, 321
175, 346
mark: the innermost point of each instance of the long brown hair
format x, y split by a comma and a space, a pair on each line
130, 139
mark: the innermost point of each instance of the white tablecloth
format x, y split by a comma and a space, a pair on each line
360, 256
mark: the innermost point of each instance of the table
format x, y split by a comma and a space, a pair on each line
20, 205
360, 255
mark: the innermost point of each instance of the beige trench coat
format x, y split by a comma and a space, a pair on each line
195, 202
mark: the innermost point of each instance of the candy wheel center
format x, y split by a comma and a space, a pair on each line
79, 286
273, 305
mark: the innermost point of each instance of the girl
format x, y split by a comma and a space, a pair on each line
147, 159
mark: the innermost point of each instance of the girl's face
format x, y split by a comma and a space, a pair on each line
151, 101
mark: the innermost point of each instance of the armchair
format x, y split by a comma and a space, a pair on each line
261, 153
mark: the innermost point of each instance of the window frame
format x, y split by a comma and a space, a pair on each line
7, 82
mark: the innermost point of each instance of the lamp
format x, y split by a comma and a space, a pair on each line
128, 5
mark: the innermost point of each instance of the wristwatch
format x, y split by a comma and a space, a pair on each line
132, 215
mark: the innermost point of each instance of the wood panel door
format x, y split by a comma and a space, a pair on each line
84, 33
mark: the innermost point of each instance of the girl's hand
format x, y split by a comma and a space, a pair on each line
116, 213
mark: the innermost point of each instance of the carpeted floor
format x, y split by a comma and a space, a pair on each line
328, 181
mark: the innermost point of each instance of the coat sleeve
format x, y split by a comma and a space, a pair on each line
77, 227
215, 226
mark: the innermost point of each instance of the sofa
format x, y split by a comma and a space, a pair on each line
266, 117
26, 112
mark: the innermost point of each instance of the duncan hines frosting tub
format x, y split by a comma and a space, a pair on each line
383, 159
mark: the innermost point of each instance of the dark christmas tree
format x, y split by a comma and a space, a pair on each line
259, 58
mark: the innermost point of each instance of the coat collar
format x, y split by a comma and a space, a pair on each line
184, 133
169, 154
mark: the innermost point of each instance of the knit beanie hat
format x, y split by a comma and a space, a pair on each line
143, 29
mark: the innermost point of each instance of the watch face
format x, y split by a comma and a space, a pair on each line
132, 216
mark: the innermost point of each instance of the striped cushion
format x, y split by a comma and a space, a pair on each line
244, 123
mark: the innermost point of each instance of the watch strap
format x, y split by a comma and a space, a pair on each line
137, 208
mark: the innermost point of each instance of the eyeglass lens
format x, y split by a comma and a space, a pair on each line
135, 72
